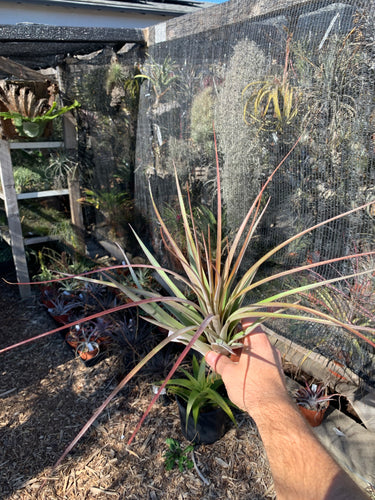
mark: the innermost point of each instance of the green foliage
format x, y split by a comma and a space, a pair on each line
33, 126
199, 390
273, 102
26, 180
161, 76
38, 219
352, 299
29, 170
53, 263
202, 117
122, 86
177, 456
59, 168
64, 232
202, 219
116, 206
116, 76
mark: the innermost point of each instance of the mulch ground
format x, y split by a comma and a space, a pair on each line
46, 396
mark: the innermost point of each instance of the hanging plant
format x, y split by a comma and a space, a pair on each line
33, 126
29, 113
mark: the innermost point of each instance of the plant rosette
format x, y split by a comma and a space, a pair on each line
313, 401
47, 295
87, 350
61, 309
82, 337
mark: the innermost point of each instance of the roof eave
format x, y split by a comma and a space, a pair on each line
146, 7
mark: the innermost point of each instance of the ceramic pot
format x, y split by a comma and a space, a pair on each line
210, 425
313, 417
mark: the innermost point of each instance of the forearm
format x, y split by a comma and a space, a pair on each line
300, 465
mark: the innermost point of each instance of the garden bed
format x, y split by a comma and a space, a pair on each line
46, 397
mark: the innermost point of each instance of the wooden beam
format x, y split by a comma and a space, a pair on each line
14, 223
76, 213
42, 194
21, 71
36, 145
225, 14
46, 33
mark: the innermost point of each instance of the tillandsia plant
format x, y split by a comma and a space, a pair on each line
162, 76
208, 315
199, 390
273, 102
313, 397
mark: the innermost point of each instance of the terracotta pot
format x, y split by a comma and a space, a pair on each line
313, 417
63, 319
69, 340
86, 355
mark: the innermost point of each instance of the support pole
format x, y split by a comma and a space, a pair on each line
76, 212
14, 223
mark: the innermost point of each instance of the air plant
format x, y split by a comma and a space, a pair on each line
313, 397
60, 306
273, 102
205, 303
352, 300
162, 76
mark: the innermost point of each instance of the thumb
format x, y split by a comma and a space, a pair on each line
217, 361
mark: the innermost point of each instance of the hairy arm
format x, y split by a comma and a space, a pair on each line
300, 465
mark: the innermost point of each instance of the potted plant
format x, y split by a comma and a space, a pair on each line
203, 306
132, 335
60, 308
313, 401
202, 408
84, 339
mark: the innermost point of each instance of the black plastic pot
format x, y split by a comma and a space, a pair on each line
210, 425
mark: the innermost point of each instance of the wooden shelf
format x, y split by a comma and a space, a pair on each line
32, 240
42, 194
37, 145
39, 194
13, 233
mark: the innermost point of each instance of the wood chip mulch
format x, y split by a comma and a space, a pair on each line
46, 396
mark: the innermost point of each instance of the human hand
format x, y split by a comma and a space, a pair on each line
257, 379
